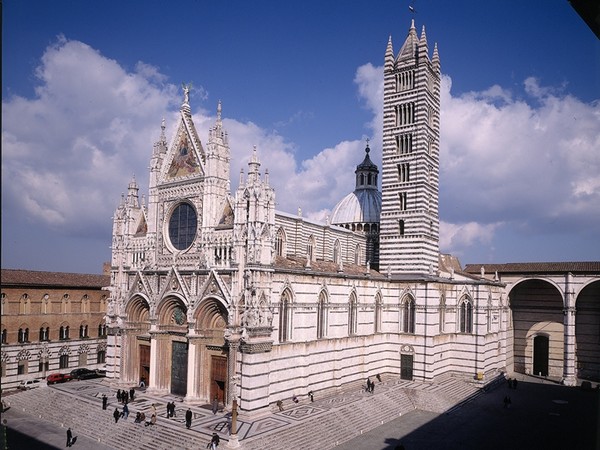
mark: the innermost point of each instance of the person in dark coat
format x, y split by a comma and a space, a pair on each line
215, 405
214, 442
119, 396
311, 396
116, 415
188, 418
132, 393
69, 437
104, 401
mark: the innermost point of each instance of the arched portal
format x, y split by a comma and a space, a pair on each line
172, 345
537, 310
136, 342
211, 351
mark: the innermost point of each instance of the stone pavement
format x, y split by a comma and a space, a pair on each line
447, 414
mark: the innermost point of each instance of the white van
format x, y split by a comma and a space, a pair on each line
29, 384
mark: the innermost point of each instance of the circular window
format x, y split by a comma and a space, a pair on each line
182, 226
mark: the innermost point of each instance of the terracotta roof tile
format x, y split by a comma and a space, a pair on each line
36, 278
536, 267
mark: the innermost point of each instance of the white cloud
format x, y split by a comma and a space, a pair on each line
531, 163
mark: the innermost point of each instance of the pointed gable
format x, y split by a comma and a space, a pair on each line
186, 157
227, 217
142, 227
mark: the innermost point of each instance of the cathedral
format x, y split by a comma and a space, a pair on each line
215, 294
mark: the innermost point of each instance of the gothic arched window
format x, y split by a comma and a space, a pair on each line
352, 315
285, 317
377, 317
466, 316
280, 243
322, 316
408, 316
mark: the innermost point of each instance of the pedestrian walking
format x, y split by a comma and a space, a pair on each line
168, 410
153, 409
132, 393
125, 411
116, 415
188, 418
104, 401
215, 405
69, 437
214, 442
119, 396
280, 405
125, 395
378, 377
310, 395
368, 385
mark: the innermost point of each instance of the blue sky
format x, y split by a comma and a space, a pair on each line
85, 86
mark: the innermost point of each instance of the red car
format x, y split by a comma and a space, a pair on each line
58, 378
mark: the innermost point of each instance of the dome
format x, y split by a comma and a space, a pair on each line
361, 206
364, 204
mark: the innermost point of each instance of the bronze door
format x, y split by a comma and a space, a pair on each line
145, 363
218, 377
406, 367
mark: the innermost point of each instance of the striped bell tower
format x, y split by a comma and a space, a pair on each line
409, 226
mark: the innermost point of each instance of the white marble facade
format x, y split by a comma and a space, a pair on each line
215, 293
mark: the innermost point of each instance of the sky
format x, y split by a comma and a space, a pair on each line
86, 84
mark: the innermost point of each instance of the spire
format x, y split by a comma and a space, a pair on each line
423, 47
436, 58
389, 55
409, 49
253, 166
219, 122
132, 193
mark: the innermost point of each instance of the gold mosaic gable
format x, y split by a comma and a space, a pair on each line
185, 161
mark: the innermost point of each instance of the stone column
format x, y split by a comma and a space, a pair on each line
569, 375
193, 381
234, 344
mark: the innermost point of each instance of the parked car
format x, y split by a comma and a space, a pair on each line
29, 384
82, 373
58, 378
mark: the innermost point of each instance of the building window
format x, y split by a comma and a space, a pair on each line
23, 335
322, 316
466, 316
403, 172
352, 316
408, 316
4, 336
401, 227
64, 333
63, 362
285, 318
280, 242
402, 200
101, 358
442, 319
43, 365
44, 333
377, 318
182, 226
83, 331
102, 330
22, 367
